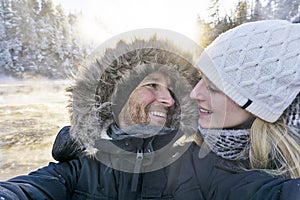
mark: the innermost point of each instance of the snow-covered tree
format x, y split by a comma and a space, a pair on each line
286, 9
257, 13
247, 10
37, 39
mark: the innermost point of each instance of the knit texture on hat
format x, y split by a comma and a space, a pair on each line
257, 62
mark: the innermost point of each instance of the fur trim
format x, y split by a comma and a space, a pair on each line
97, 85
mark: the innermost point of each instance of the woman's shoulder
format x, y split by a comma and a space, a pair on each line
222, 179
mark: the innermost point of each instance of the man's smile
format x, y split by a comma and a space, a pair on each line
158, 114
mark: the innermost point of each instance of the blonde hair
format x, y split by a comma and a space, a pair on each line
275, 148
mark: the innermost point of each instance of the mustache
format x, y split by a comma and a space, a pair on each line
139, 114
158, 107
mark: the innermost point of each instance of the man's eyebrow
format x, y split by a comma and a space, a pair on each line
152, 79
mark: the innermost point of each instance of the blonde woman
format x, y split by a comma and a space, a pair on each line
248, 104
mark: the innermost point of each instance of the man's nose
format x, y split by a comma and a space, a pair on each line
164, 97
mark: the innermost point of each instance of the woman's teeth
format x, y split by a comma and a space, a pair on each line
204, 111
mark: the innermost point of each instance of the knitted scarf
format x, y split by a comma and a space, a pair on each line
229, 144
234, 144
292, 114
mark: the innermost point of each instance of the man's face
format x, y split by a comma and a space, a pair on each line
150, 103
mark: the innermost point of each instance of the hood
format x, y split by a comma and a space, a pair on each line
101, 88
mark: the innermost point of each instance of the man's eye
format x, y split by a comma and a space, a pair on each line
152, 85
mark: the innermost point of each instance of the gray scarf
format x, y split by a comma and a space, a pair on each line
235, 144
229, 144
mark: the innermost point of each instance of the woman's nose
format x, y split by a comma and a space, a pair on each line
198, 90
164, 96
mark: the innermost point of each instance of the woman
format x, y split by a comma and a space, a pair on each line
248, 104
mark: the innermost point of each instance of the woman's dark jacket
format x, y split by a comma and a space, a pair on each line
220, 179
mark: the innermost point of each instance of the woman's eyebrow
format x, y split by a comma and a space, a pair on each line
206, 80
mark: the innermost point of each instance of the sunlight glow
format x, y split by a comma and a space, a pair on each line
92, 30
104, 19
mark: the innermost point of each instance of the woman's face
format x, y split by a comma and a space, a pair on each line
216, 110
150, 103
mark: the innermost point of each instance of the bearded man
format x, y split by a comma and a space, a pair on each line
130, 110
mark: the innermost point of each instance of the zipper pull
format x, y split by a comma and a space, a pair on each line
137, 169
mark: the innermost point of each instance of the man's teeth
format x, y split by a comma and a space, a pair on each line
204, 111
159, 114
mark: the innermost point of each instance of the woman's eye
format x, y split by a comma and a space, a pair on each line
212, 89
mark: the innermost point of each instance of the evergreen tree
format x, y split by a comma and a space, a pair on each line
215, 11
38, 39
6, 61
28, 38
244, 12
257, 13
286, 9
12, 43
204, 33
241, 13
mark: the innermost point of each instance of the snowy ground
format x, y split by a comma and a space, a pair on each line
31, 114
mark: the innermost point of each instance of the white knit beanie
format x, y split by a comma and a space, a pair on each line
257, 65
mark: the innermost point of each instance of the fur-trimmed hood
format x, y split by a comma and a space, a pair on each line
101, 88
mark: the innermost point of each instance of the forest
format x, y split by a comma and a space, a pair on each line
37, 39
245, 11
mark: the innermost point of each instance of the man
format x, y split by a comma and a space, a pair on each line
130, 111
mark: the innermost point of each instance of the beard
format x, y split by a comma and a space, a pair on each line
135, 112
138, 112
